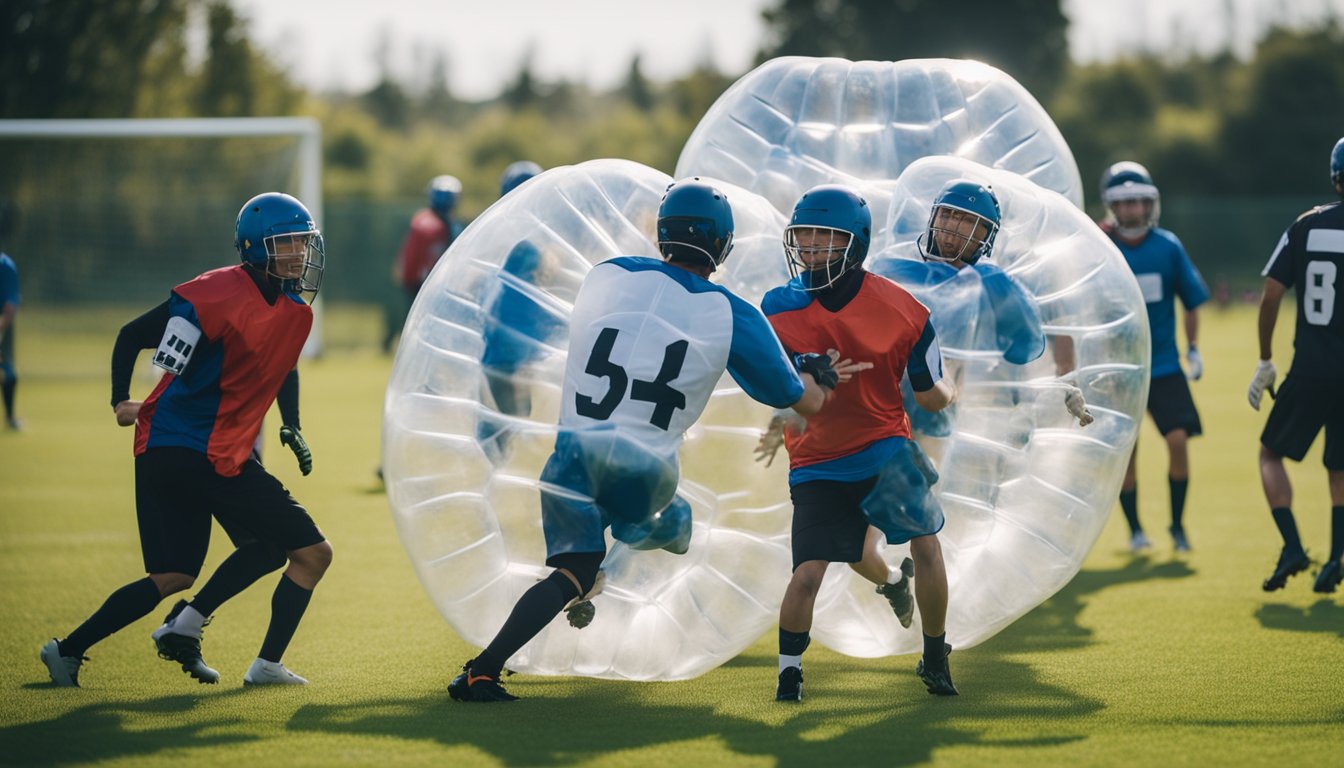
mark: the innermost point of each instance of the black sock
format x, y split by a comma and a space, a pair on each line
935, 647
1336, 532
287, 606
1177, 500
793, 643
1129, 502
238, 572
128, 604
533, 611
8, 390
1283, 518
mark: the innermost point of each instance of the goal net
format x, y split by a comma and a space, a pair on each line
119, 211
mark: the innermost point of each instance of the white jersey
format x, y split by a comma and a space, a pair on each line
648, 342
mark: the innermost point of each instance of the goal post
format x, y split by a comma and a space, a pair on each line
111, 208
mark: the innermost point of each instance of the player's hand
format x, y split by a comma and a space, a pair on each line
845, 369
771, 439
1196, 364
127, 412
1262, 380
820, 367
290, 436
1073, 400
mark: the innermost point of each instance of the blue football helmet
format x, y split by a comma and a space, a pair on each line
695, 223
516, 174
274, 224
1337, 164
443, 192
833, 209
966, 199
1127, 180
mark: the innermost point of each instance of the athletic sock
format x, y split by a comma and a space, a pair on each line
1283, 518
1129, 502
288, 604
188, 622
935, 647
1336, 532
1177, 500
128, 604
533, 611
791, 647
8, 390
239, 571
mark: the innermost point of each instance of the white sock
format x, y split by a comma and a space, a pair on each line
790, 661
188, 622
895, 576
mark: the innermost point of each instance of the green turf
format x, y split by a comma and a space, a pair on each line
1151, 661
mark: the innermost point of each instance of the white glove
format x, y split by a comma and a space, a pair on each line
1073, 400
1196, 364
773, 436
1262, 380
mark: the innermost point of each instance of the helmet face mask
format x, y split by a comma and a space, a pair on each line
695, 224
1128, 181
1337, 166
827, 236
962, 225
276, 234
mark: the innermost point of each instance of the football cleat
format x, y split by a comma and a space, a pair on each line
581, 614
1328, 578
263, 672
790, 686
64, 670
1291, 562
898, 594
183, 649
1179, 540
1138, 542
936, 674
482, 689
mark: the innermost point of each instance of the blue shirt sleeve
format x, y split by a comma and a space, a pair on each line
756, 359
1017, 319
1189, 284
925, 366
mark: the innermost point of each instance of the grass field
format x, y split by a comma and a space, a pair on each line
1139, 661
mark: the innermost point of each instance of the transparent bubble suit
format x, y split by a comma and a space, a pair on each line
795, 122
1025, 490
462, 450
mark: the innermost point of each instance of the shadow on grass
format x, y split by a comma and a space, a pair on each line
1324, 615
98, 732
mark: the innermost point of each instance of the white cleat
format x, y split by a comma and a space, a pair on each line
264, 672
64, 670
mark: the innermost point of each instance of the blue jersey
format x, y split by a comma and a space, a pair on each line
9, 281
520, 319
1164, 272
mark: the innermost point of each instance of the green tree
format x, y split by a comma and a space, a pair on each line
80, 58
637, 89
1025, 38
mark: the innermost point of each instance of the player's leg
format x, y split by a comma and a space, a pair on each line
1174, 413
1129, 503
1178, 482
931, 594
174, 536
892, 583
1292, 426
1332, 571
9, 377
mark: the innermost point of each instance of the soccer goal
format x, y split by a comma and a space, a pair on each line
116, 212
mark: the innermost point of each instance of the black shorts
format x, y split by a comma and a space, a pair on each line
828, 520
1172, 407
177, 491
1304, 405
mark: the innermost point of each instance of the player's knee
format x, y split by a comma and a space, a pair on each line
313, 559
925, 548
807, 577
583, 566
172, 583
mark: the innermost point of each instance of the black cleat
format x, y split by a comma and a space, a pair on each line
477, 688
936, 674
581, 614
790, 685
1291, 562
1328, 578
898, 594
183, 649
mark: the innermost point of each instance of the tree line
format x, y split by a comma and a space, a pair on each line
1211, 125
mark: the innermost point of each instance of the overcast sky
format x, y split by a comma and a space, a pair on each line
333, 44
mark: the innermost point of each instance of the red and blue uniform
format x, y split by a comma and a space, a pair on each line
247, 347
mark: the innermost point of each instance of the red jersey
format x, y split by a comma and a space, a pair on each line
882, 325
427, 239
234, 371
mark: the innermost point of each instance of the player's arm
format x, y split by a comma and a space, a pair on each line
7, 315
925, 368
144, 332
290, 436
1264, 375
